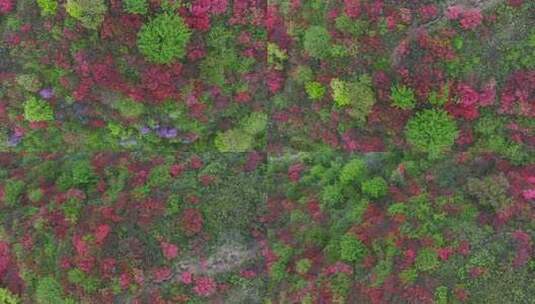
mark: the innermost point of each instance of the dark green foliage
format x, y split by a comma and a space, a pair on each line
432, 132
164, 39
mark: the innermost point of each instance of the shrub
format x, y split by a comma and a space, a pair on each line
136, 6
375, 187
129, 108
36, 109
314, 90
317, 42
89, 12
29, 82
48, 291
13, 189
403, 97
490, 191
432, 132
303, 265
276, 56
351, 249
354, 171
48, 7
164, 39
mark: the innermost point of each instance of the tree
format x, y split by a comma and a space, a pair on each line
317, 42
89, 12
352, 249
164, 39
432, 132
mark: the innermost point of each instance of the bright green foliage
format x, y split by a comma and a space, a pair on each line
314, 90
136, 6
352, 249
441, 295
354, 171
48, 291
36, 109
340, 92
48, 7
30, 82
276, 56
255, 123
403, 97
13, 189
432, 132
375, 187
129, 108
164, 39
303, 265
427, 260
6, 297
317, 42
491, 191
233, 140
89, 12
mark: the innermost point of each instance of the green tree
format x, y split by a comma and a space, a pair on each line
375, 187
317, 42
351, 249
164, 39
431, 131
314, 90
89, 12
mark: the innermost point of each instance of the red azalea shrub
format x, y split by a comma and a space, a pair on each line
191, 221
518, 96
6, 6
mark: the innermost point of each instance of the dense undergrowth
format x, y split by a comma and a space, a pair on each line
271, 152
